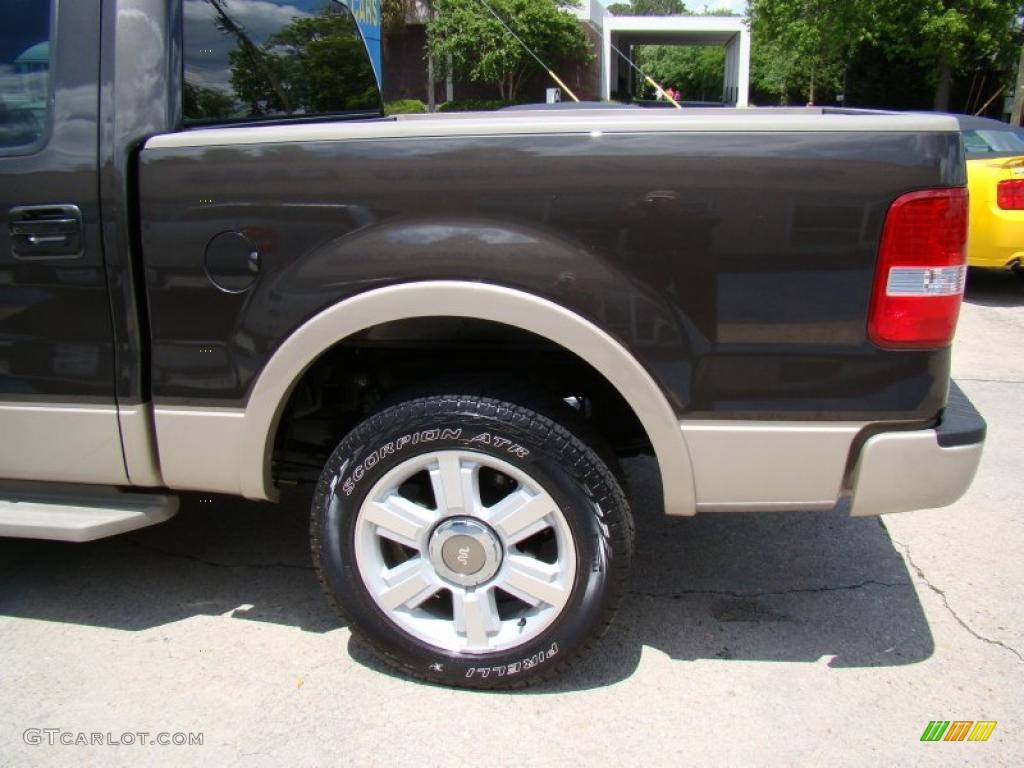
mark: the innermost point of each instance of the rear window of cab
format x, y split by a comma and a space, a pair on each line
989, 142
254, 60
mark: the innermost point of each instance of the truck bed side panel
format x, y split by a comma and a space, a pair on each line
737, 267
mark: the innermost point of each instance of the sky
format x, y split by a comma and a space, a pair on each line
736, 6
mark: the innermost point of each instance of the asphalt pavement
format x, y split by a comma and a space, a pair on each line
774, 639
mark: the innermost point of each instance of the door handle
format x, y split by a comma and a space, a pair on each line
46, 239
46, 231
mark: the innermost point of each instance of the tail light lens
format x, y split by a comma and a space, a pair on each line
1010, 195
921, 271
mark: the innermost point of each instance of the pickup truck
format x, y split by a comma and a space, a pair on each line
224, 270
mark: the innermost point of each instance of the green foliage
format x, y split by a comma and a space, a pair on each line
314, 64
877, 81
803, 45
950, 36
801, 48
393, 14
206, 103
697, 72
957, 31
649, 8
404, 107
482, 50
473, 105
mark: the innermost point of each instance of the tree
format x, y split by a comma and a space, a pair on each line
648, 8
393, 15
206, 103
485, 52
951, 36
804, 45
697, 71
1017, 117
249, 57
313, 64
775, 70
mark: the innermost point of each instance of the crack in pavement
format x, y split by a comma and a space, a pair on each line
990, 381
799, 590
945, 599
214, 563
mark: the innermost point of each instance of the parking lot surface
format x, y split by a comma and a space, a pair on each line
774, 639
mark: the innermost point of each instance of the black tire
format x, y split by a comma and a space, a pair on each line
589, 497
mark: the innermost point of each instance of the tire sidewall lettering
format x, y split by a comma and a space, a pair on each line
480, 440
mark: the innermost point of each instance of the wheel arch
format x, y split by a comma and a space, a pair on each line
499, 304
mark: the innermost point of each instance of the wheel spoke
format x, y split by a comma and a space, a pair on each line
520, 515
476, 615
400, 520
408, 584
532, 580
456, 485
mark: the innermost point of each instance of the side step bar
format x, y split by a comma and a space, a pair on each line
78, 512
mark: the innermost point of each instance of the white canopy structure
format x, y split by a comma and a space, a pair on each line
624, 32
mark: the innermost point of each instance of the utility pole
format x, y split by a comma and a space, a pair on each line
1018, 92
431, 94
431, 97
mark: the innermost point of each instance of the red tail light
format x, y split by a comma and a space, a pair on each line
1010, 195
921, 270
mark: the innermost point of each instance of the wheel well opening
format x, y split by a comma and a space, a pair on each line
359, 374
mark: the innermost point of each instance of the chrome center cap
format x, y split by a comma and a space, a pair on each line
465, 551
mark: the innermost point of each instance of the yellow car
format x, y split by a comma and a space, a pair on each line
995, 178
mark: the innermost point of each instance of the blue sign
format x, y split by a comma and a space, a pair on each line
368, 16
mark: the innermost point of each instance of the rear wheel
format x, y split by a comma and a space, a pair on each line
471, 541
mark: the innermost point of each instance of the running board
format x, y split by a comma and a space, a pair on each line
78, 512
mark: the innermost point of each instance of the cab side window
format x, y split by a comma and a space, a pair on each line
251, 60
24, 74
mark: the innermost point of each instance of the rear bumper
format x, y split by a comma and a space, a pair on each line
997, 238
920, 469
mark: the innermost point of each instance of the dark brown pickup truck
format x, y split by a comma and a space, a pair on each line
225, 270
